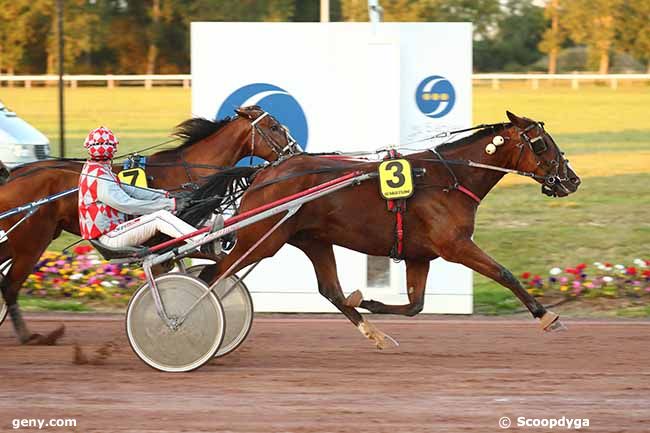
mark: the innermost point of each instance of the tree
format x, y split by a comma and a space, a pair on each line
592, 22
633, 27
13, 29
554, 35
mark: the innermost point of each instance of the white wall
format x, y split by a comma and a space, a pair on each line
356, 85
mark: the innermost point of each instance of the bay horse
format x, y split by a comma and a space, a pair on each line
438, 222
207, 146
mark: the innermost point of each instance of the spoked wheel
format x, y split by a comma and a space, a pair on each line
238, 306
4, 269
192, 343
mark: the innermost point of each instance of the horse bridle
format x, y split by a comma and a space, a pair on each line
538, 145
291, 148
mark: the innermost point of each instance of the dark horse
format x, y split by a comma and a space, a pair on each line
207, 147
439, 220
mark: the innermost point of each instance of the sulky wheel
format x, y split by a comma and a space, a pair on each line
238, 306
193, 343
4, 269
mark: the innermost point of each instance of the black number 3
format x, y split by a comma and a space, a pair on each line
398, 174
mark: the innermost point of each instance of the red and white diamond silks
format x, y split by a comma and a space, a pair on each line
95, 217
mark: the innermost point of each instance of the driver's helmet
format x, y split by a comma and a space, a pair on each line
101, 144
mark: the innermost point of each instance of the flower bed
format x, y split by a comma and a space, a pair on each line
600, 280
82, 276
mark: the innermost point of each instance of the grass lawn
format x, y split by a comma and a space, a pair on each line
604, 132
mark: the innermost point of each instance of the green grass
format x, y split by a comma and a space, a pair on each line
606, 220
36, 304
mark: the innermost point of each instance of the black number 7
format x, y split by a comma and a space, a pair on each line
133, 174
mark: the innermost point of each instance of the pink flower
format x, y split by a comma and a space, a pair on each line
563, 279
576, 284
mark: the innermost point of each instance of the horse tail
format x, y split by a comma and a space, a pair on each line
210, 195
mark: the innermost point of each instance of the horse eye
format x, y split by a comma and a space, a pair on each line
274, 128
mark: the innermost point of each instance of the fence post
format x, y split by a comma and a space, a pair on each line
495, 83
575, 84
186, 84
614, 83
535, 83
73, 84
147, 83
28, 84
110, 82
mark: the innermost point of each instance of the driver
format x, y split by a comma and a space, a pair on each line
120, 215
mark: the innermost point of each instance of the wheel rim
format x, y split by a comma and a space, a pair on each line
194, 343
4, 269
238, 308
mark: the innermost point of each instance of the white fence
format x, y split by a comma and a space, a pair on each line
185, 80
575, 79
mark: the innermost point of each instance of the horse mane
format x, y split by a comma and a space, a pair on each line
481, 133
197, 128
212, 193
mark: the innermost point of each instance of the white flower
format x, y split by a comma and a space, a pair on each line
608, 279
95, 262
598, 264
639, 262
555, 271
106, 284
619, 267
76, 276
603, 267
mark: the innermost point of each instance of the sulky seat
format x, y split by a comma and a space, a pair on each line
110, 253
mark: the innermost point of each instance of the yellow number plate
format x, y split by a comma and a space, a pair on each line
134, 176
395, 179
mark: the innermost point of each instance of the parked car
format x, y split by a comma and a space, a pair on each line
20, 142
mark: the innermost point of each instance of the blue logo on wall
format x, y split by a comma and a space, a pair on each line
435, 96
277, 101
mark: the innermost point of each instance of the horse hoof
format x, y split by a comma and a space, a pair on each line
47, 340
380, 338
556, 326
550, 322
354, 299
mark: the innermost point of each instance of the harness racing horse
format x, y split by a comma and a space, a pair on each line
207, 146
439, 220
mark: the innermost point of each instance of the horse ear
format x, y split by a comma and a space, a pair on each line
244, 112
516, 120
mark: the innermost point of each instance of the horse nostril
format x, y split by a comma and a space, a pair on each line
575, 180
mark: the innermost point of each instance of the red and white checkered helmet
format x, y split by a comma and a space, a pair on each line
101, 144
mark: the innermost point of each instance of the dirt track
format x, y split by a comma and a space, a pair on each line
319, 374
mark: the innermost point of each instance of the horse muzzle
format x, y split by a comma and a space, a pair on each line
555, 186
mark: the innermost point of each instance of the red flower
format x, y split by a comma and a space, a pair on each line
631, 270
82, 249
537, 278
609, 265
581, 266
525, 275
572, 271
646, 273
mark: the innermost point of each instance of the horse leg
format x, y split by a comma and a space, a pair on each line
21, 267
469, 254
416, 280
322, 257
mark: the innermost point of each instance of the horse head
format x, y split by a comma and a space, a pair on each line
536, 152
4, 173
267, 131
